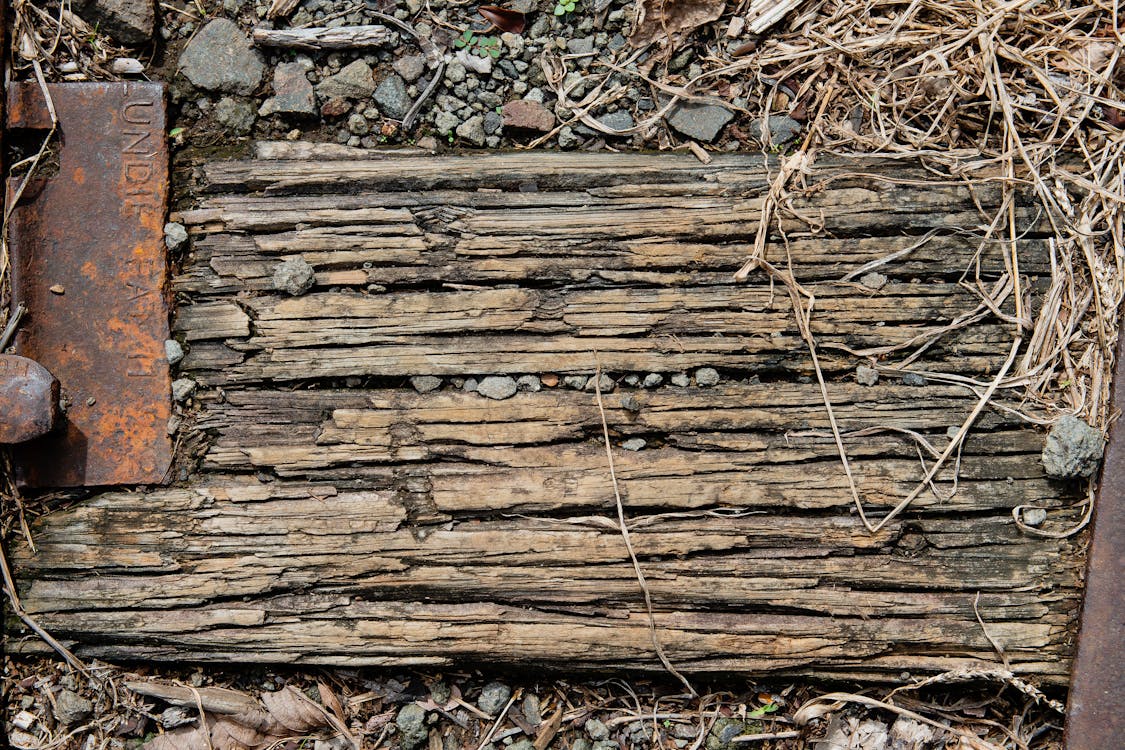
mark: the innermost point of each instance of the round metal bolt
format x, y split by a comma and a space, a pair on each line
29, 399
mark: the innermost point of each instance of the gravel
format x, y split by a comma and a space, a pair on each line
411, 723
706, 377
873, 280
606, 383
701, 122
781, 129
913, 379
493, 697
237, 116
681, 380
619, 120
1034, 516
525, 114
723, 731
294, 275
410, 68
127, 21
529, 383
221, 58
653, 380
497, 387
1073, 449
355, 81
865, 375
634, 444
175, 236
425, 383
472, 131
597, 729
173, 352
71, 708
182, 388
392, 98
292, 92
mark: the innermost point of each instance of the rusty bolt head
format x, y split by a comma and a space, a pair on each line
29, 399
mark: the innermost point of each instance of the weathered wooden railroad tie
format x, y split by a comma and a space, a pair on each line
323, 510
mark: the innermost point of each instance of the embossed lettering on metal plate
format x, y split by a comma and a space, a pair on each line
90, 264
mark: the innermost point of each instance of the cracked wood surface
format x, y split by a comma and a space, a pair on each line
327, 513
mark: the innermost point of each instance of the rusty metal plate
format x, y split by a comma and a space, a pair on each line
88, 260
1096, 711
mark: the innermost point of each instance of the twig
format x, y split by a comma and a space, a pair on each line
624, 527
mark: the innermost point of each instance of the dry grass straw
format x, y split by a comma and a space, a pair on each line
1024, 94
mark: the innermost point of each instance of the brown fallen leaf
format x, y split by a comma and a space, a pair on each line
330, 701
504, 19
236, 721
660, 20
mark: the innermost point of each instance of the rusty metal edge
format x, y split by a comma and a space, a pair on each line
1096, 705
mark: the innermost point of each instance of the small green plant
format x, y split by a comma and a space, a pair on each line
565, 6
481, 46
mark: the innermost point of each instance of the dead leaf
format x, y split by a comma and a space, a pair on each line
293, 710
659, 20
504, 19
330, 701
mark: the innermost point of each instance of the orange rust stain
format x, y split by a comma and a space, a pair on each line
78, 174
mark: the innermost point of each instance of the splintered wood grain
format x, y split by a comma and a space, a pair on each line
329, 513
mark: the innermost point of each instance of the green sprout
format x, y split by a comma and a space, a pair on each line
481, 46
565, 6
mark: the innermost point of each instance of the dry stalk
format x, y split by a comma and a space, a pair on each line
625, 536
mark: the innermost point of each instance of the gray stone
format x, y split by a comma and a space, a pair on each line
292, 92
498, 387
425, 383
529, 383
411, 722
583, 46
865, 375
706, 377
236, 115
352, 82
577, 382
914, 379
1073, 449
653, 380
357, 124
294, 275
455, 71
634, 444
873, 280
597, 729
472, 130
722, 732
392, 98
127, 21
221, 58
175, 236
605, 383
629, 402
493, 697
182, 388
446, 122
619, 120
173, 352
1034, 516
782, 129
531, 711
522, 744
567, 138
681, 380
492, 123
475, 63
71, 708
410, 67
700, 121
469, 385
